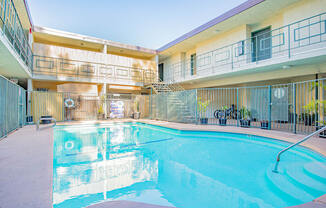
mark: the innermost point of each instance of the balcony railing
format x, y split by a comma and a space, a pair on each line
12, 28
66, 69
294, 41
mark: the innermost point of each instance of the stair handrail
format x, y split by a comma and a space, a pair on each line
278, 158
159, 84
170, 85
174, 86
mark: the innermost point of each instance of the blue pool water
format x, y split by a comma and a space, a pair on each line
186, 169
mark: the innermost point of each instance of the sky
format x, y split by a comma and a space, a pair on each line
146, 23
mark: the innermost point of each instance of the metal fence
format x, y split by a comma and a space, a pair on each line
12, 29
296, 40
294, 107
79, 107
12, 106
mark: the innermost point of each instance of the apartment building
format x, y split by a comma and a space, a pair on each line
260, 42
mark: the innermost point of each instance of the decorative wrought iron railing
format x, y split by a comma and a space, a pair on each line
282, 44
11, 28
82, 70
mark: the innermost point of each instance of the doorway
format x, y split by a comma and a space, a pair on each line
161, 71
261, 44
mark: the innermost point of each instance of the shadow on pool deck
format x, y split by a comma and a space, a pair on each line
26, 159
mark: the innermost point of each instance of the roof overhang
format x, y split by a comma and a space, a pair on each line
24, 14
73, 40
250, 12
231, 13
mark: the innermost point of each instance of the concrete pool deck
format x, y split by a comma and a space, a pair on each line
26, 157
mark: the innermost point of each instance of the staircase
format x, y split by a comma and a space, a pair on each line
299, 183
160, 88
177, 106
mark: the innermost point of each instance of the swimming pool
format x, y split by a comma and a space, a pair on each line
187, 169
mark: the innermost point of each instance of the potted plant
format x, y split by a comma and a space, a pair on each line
245, 117
222, 119
323, 133
319, 105
308, 116
312, 109
202, 110
100, 112
136, 113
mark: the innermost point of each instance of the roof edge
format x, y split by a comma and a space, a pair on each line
29, 13
86, 38
233, 12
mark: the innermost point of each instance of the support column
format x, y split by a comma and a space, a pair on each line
183, 65
29, 100
105, 49
103, 93
156, 75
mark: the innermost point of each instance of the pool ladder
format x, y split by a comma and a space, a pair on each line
278, 158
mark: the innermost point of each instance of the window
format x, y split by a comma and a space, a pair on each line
42, 89
161, 71
193, 64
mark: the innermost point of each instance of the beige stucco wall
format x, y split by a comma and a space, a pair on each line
90, 56
303, 9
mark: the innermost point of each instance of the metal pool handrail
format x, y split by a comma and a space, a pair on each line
278, 158
45, 119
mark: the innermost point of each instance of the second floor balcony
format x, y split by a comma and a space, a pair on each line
301, 42
50, 68
12, 32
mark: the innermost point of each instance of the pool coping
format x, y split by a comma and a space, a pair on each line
316, 144
27, 146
